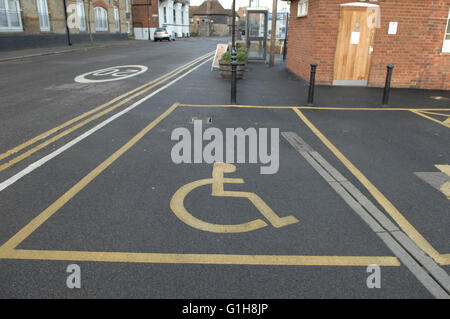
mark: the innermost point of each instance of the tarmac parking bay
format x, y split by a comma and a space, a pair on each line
318, 210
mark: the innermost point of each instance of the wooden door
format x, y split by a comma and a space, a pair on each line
354, 46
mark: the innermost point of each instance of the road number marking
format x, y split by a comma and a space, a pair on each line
114, 73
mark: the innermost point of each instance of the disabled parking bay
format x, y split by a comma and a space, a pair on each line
139, 221
406, 155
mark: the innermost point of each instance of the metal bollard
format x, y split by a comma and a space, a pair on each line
387, 86
312, 84
233, 75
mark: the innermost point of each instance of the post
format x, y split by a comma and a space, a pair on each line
273, 33
233, 56
67, 26
312, 83
285, 37
148, 20
387, 86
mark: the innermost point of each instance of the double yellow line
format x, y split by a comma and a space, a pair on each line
91, 115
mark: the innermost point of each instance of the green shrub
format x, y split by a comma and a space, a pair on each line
226, 57
241, 57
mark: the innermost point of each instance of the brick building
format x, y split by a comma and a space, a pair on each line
211, 19
151, 14
354, 41
33, 23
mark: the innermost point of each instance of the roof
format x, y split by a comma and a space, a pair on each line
210, 7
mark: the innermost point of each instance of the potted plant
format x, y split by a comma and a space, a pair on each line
225, 63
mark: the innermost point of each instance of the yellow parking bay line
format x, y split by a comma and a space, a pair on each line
380, 198
223, 259
323, 108
444, 123
53, 208
9, 251
146, 87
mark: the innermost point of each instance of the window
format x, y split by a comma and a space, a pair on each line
117, 18
127, 10
174, 17
302, 9
101, 19
81, 15
446, 47
128, 27
165, 15
10, 19
44, 19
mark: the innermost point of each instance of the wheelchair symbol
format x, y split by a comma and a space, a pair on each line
217, 181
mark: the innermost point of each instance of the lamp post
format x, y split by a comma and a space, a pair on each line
69, 42
233, 56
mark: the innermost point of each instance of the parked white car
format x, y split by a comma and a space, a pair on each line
164, 34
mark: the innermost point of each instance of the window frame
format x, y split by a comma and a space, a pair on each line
446, 44
43, 14
18, 11
117, 18
101, 24
81, 16
302, 8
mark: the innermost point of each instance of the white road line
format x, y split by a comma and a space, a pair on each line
65, 147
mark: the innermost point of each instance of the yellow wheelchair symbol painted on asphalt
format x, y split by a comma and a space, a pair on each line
217, 181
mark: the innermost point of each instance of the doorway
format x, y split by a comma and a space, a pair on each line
256, 34
355, 44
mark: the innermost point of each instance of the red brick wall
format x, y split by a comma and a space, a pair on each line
140, 15
416, 49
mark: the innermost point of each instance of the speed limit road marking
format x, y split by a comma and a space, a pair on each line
114, 73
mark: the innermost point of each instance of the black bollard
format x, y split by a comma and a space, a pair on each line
233, 75
387, 86
312, 84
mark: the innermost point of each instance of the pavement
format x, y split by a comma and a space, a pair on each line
106, 195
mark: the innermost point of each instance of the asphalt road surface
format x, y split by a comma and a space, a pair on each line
87, 177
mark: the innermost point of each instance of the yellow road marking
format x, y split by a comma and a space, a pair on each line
8, 251
275, 260
217, 189
324, 108
446, 187
380, 198
20, 147
60, 202
434, 113
430, 118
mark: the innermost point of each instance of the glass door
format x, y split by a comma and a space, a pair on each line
257, 35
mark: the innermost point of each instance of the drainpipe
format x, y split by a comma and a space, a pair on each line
67, 26
148, 19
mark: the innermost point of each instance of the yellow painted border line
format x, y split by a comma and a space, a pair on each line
60, 202
223, 259
380, 198
324, 108
8, 251
82, 116
434, 113
430, 118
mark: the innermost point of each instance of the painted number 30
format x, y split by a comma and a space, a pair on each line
114, 73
